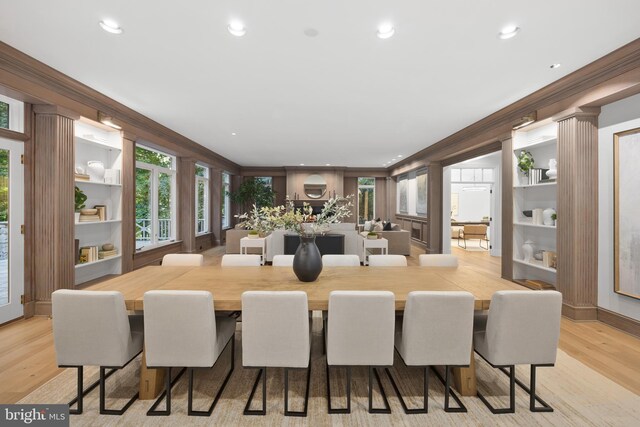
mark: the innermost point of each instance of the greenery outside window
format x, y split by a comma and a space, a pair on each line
155, 198
11, 114
4, 115
366, 199
226, 201
202, 199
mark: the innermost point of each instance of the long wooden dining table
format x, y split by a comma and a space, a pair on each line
228, 283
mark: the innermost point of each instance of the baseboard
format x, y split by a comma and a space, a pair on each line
29, 309
43, 308
579, 314
619, 321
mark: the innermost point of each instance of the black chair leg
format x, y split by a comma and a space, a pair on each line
425, 391
386, 409
449, 392
103, 397
302, 413
81, 393
532, 392
332, 410
168, 384
512, 395
208, 412
262, 373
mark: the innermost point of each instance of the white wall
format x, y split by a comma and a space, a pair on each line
616, 117
472, 205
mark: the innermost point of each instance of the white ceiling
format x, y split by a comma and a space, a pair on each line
344, 97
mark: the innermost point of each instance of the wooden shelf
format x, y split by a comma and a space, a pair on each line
535, 264
528, 224
538, 144
95, 143
86, 264
79, 181
111, 221
544, 184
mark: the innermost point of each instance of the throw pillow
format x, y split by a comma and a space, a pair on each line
387, 226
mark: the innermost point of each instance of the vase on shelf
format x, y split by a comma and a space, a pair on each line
307, 261
527, 249
76, 217
95, 169
537, 218
547, 216
552, 173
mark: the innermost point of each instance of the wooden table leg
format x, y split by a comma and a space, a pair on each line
465, 378
151, 380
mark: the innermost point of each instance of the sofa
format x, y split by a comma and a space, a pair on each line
399, 239
275, 240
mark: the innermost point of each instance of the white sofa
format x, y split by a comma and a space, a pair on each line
275, 240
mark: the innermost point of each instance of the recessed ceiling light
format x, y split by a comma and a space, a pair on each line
385, 31
327, 164
399, 155
237, 28
508, 32
110, 26
301, 164
554, 65
311, 32
233, 133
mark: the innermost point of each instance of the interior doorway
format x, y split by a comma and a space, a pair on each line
472, 203
11, 237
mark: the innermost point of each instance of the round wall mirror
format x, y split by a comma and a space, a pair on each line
315, 186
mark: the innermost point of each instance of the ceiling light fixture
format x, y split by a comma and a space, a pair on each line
301, 164
508, 32
385, 31
110, 26
525, 121
237, 28
233, 133
554, 65
107, 120
327, 164
399, 155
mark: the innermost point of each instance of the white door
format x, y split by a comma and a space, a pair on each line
11, 237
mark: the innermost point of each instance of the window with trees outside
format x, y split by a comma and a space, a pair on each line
202, 199
366, 199
155, 198
4, 115
226, 201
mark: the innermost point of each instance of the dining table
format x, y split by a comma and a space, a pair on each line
227, 284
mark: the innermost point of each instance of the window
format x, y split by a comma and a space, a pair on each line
366, 199
226, 201
4, 115
155, 198
266, 180
472, 175
11, 114
202, 199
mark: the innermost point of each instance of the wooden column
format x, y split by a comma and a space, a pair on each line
577, 232
215, 191
434, 207
128, 201
507, 209
187, 203
53, 204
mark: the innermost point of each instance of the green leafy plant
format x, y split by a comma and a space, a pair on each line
253, 191
525, 162
80, 198
554, 216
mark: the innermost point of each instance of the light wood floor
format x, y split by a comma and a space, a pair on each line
27, 357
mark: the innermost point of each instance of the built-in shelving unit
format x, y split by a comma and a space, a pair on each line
94, 142
541, 141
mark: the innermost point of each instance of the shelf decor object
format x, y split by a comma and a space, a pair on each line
626, 147
528, 248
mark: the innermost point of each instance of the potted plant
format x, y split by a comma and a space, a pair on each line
253, 234
372, 235
554, 217
80, 198
525, 162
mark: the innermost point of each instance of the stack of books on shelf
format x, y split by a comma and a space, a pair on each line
88, 254
537, 176
82, 177
89, 218
102, 212
107, 254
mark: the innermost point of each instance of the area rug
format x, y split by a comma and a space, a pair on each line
579, 395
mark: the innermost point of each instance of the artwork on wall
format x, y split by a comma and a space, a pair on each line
627, 212
421, 184
402, 184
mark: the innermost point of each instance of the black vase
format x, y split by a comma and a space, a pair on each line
307, 262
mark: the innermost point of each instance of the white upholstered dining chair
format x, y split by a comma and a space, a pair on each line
520, 328
183, 260
438, 260
436, 330
182, 330
387, 261
92, 328
282, 261
360, 333
236, 260
340, 260
276, 334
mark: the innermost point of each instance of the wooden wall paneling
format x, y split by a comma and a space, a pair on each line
351, 187
381, 198
577, 229
29, 213
391, 199
204, 242
53, 204
279, 185
128, 202
215, 190
154, 256
507, 209
187, 203
236, 209
434, 208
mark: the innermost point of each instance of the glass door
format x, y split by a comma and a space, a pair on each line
11, 237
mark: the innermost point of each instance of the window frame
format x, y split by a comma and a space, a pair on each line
16, 113
225, 215
155, 171
207, 204
366, 186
